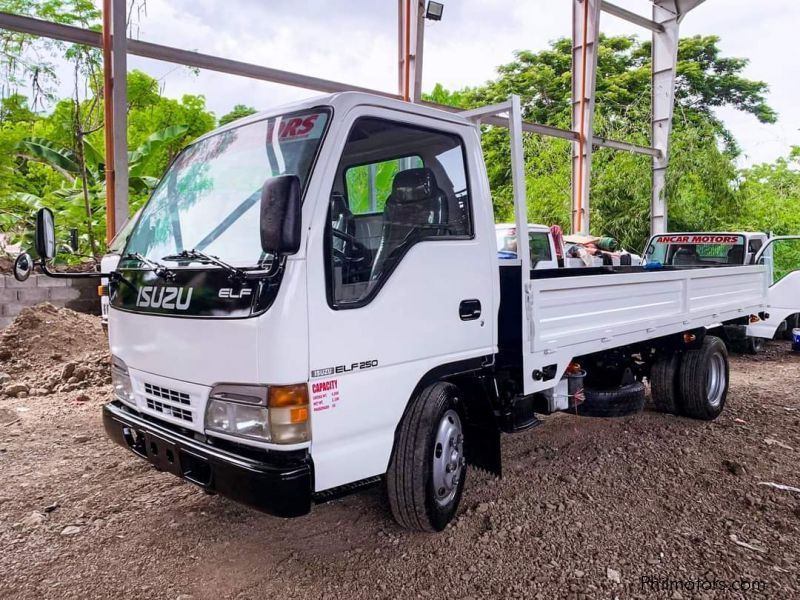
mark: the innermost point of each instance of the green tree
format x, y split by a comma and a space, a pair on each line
238, 111
82, 183
702, 170
30, 61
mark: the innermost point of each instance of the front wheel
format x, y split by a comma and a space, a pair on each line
704, 377
428, 468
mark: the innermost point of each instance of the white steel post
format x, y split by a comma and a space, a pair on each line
119, 96
521, 215
665, 58
585, 36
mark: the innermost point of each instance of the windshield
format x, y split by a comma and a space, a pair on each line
117, 244
697, 250
209, 198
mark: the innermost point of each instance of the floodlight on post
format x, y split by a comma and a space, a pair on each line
434, 11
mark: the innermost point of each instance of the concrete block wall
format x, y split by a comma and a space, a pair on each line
78, 294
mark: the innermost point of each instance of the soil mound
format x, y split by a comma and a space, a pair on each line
49, 349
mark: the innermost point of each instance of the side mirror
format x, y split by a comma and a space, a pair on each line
281, 215
45, 234
23, 266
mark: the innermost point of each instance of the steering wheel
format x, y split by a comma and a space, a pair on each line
358, 253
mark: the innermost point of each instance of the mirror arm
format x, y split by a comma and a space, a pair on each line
275, 268
56, 275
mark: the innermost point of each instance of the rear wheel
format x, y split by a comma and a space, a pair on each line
704, 379
792, 322
753, 345
428, 468
622, 401
665, 384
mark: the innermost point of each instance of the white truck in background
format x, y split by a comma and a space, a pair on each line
547, 252
715, 248
279, 337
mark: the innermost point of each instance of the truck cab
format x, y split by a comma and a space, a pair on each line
543, 250
705, 249
549, 251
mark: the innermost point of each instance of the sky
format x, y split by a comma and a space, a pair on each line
355, 42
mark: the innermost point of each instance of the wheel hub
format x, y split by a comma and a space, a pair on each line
715, 383
448, 457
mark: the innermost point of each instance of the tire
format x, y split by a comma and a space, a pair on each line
704, 377
665, 384
753, 345
791, 323
423, 494
620, 402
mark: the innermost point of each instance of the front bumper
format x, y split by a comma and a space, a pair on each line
283, 490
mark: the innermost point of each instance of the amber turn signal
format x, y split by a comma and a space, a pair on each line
285, 396
288, 413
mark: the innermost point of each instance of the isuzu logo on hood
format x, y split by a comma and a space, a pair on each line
170, 298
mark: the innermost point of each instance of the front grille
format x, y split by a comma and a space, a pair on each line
166, 394
170, 411
170, 403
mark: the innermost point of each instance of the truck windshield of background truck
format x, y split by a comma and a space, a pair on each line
209, 198
696, 250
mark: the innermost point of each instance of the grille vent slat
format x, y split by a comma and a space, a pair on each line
168, 402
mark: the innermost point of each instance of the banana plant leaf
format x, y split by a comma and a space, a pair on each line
42, 150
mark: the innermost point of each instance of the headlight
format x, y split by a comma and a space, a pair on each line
277, 414
238, 419
121, 381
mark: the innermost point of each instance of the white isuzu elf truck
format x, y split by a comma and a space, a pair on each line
311, 301
715, 248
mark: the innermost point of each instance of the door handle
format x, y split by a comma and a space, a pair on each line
469, 310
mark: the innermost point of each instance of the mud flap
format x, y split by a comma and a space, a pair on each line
483, 447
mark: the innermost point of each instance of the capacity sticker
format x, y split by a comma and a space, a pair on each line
324, 395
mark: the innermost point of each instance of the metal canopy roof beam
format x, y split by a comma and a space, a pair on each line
630, 16
76, 35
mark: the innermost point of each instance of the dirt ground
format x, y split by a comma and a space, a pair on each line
587, 508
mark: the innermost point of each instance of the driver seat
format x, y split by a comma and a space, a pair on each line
684, 257
413, 210
736, 255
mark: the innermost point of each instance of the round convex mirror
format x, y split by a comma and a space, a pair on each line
23, 267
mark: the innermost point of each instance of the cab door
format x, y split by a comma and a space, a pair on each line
401, 282
781, 256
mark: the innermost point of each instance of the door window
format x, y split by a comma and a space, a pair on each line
397, 185
782, 257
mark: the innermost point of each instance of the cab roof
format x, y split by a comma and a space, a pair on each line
342, 102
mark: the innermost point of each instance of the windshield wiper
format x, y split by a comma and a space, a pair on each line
196, 255
160, 270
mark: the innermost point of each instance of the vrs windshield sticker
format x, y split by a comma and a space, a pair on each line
698, 239
303, 127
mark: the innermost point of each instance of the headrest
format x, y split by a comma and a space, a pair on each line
338, 205
413, 185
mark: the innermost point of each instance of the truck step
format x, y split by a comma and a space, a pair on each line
344, 490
